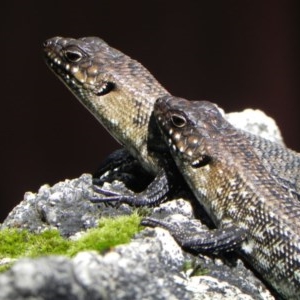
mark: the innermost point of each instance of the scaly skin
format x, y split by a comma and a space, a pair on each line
120, 93
230, 174
116, 89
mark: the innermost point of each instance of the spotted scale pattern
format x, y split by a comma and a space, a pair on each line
229, 171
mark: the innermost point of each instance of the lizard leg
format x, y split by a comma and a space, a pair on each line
122, 166
216, 240
155, 193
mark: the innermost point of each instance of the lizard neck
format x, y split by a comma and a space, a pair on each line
116, 89
126, 116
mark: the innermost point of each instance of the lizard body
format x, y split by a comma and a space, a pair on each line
120, 93
116, 89
255, 205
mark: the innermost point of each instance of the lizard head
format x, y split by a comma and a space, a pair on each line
187, 126
116, 89
80, 64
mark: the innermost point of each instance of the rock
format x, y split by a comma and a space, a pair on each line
135, 271
150, 267
65, 206
256, 122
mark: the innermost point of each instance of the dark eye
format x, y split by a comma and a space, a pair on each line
73, 55
178, 121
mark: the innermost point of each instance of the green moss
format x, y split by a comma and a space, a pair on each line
111, 232
5, 267
187, 264
197, 269
15, 243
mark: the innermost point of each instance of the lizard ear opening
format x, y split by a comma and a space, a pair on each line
106, 88
201, 161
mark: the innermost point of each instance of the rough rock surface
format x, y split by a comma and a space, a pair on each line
150, 267
257, 122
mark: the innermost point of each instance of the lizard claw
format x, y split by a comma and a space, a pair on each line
155, 193
115, 192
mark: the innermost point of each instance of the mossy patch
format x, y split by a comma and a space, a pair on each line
21, 243
15, 243
195, 268
110, 232
4, 268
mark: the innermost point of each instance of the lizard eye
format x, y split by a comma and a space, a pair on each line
73, 55
178, 121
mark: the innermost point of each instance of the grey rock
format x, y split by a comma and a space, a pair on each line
64, 206
256, 122
135, 271
150, 267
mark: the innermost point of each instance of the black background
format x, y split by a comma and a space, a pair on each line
236, 53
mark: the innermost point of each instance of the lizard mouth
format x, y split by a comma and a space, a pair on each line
57, 66
188, 150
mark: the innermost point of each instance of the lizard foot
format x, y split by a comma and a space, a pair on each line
213, 241
115, 192
154, 194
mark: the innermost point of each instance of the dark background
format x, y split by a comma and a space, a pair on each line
237, 53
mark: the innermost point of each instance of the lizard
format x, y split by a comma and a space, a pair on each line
255, 211
120, 93
104, 79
